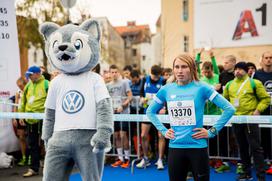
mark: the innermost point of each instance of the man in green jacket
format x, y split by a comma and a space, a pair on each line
33, 100
249, 97
210, 75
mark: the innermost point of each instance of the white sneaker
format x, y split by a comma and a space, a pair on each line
143, 163
160, 165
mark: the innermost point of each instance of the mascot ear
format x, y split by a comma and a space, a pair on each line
92, 27
47, 28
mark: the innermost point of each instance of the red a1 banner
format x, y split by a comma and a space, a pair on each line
232, 23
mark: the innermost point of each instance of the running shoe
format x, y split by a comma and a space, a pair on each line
117, 163
125, 164
269, 171
30, 173
22, 162
160, 164
29, 161
143, 163
189, 176
218, 163
243, 177
239, 169
223, 168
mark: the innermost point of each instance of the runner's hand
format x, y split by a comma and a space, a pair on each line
256, 112
217, 87
210, 52
120, 109
22, 122
170, 134
14, 123
201, 50
200, 133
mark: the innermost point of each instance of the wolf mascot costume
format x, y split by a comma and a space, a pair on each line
78, 117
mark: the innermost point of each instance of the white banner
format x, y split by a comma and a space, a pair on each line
232, 23
9, 56
8, 140
9, 70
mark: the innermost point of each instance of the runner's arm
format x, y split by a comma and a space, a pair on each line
151, 113
228, 111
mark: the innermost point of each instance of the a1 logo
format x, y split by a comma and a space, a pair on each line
247, 24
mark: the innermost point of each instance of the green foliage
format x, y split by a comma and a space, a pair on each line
30, 13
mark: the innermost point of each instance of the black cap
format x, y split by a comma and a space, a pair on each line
241, 65
250, 64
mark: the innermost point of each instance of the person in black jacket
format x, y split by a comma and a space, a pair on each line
265, 76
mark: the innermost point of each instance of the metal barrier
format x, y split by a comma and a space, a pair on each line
209, 120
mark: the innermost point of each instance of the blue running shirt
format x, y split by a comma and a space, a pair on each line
186, 109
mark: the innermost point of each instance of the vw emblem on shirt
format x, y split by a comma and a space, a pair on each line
72, 102
179, 104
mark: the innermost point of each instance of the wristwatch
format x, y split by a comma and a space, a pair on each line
213, 130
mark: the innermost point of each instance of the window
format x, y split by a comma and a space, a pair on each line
127, 42
134, 52
143, 57
35, 56
185, 6
186, 43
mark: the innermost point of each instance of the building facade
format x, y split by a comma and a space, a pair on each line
178, 20
135, 38
112, 45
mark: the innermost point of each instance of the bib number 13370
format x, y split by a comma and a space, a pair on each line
181, 113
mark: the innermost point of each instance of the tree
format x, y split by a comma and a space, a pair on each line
30, 13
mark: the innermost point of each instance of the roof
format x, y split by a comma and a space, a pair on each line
131, 28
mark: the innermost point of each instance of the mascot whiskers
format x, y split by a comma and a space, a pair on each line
78, 117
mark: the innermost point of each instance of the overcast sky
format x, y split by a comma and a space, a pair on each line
121, 11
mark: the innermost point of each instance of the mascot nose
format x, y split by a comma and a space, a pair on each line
62, 47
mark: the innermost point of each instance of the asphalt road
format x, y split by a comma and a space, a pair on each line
15, 174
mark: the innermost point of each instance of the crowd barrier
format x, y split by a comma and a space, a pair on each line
136, 119
263, 121
209, 120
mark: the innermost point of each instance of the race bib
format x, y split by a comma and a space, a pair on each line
181, 113
116, 102
236, 102
31, 100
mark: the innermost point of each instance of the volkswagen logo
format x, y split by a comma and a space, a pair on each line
179, 104
72, 102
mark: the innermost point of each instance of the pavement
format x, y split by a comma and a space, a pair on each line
15, 174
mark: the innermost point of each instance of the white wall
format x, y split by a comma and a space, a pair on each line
156, 49
146, 50
31, 56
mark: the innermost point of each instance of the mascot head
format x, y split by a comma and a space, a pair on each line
72, 49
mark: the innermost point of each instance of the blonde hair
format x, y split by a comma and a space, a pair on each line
231, 58
189, 60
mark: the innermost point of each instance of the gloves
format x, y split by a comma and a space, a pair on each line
101, 140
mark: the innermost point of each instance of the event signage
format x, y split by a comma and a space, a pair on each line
232, 23
9, 57
9, 72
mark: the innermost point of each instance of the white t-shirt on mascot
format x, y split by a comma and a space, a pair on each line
74, 98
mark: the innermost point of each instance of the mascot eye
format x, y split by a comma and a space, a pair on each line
56, 43
78, 44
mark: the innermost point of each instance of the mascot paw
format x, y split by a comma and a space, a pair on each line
97, 150
101, 141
